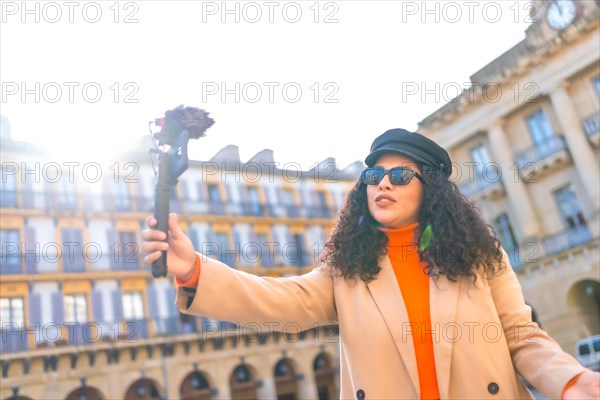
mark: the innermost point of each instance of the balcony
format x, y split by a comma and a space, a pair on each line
14, 338
10, 264
44, 263
566, 239
591, 126
543, 158
318, 211
8, 199
482, 187
256, 209
73, 204
73, 263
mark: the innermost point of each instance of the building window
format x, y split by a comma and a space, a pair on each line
255, 207
75, 308
67, 195
481, 159
321, 205
597, 86
287, 199
72, 250
133, 306
267, 255
128, 251
569, 208
507, 239
122, 199
11, 310
8, 189
214, 197
10, 257
225, 253
539, 128
300, 255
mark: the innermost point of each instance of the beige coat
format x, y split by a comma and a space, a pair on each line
482, 332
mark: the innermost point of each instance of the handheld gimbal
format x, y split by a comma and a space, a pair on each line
177, 127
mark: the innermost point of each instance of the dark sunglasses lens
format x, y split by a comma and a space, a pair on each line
400, 176
373, 176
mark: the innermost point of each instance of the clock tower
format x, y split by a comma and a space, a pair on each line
552, 18
561, 13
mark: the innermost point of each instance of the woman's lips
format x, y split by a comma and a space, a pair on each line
383, 200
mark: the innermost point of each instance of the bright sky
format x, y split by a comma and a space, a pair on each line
358, 66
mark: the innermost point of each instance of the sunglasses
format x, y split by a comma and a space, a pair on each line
396, 175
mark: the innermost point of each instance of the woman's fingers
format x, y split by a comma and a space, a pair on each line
149, 247
153, 234
150, 221
174, 229
151, 257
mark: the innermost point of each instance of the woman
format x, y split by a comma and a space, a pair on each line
425, 298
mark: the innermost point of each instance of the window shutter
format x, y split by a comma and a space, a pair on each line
58, 308
170, 296
113, 249
172, 314
30, 259
117, 303
35, 309
194, 238
97, 313
152, 301
201, 188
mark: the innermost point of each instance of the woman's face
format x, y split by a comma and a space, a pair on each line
395, 206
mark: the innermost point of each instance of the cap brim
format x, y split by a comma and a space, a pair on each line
372, 158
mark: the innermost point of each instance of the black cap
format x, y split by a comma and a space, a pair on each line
413, 145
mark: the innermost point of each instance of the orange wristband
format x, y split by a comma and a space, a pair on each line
193, 281
572, 382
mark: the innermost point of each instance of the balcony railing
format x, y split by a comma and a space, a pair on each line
16, 337
8, 199
13, 338
221, 334
43, 263
478, 185
50, 201
256, 209
566, 239
591, 124
540, 151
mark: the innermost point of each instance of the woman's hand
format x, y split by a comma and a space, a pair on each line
181, 258
586, 387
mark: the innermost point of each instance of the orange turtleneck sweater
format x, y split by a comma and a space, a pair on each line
414, 286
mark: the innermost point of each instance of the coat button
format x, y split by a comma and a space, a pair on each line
360, 394
493, 388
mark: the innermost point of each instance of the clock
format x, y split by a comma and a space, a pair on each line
560, 13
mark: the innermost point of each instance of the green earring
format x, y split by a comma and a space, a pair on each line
426, 238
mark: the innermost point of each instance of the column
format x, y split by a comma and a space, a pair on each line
267, 390
581, 151
307, 387
515, 188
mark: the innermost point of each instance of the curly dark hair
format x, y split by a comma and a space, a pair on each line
462, 242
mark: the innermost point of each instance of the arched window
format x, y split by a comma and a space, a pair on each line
323, 370
242, 383
143, 388
285, 380
195, 386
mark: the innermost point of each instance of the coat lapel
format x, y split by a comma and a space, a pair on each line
443, 300
387, 296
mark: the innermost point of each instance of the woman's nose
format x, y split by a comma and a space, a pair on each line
385, 183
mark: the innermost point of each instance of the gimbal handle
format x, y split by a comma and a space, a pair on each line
171, 164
